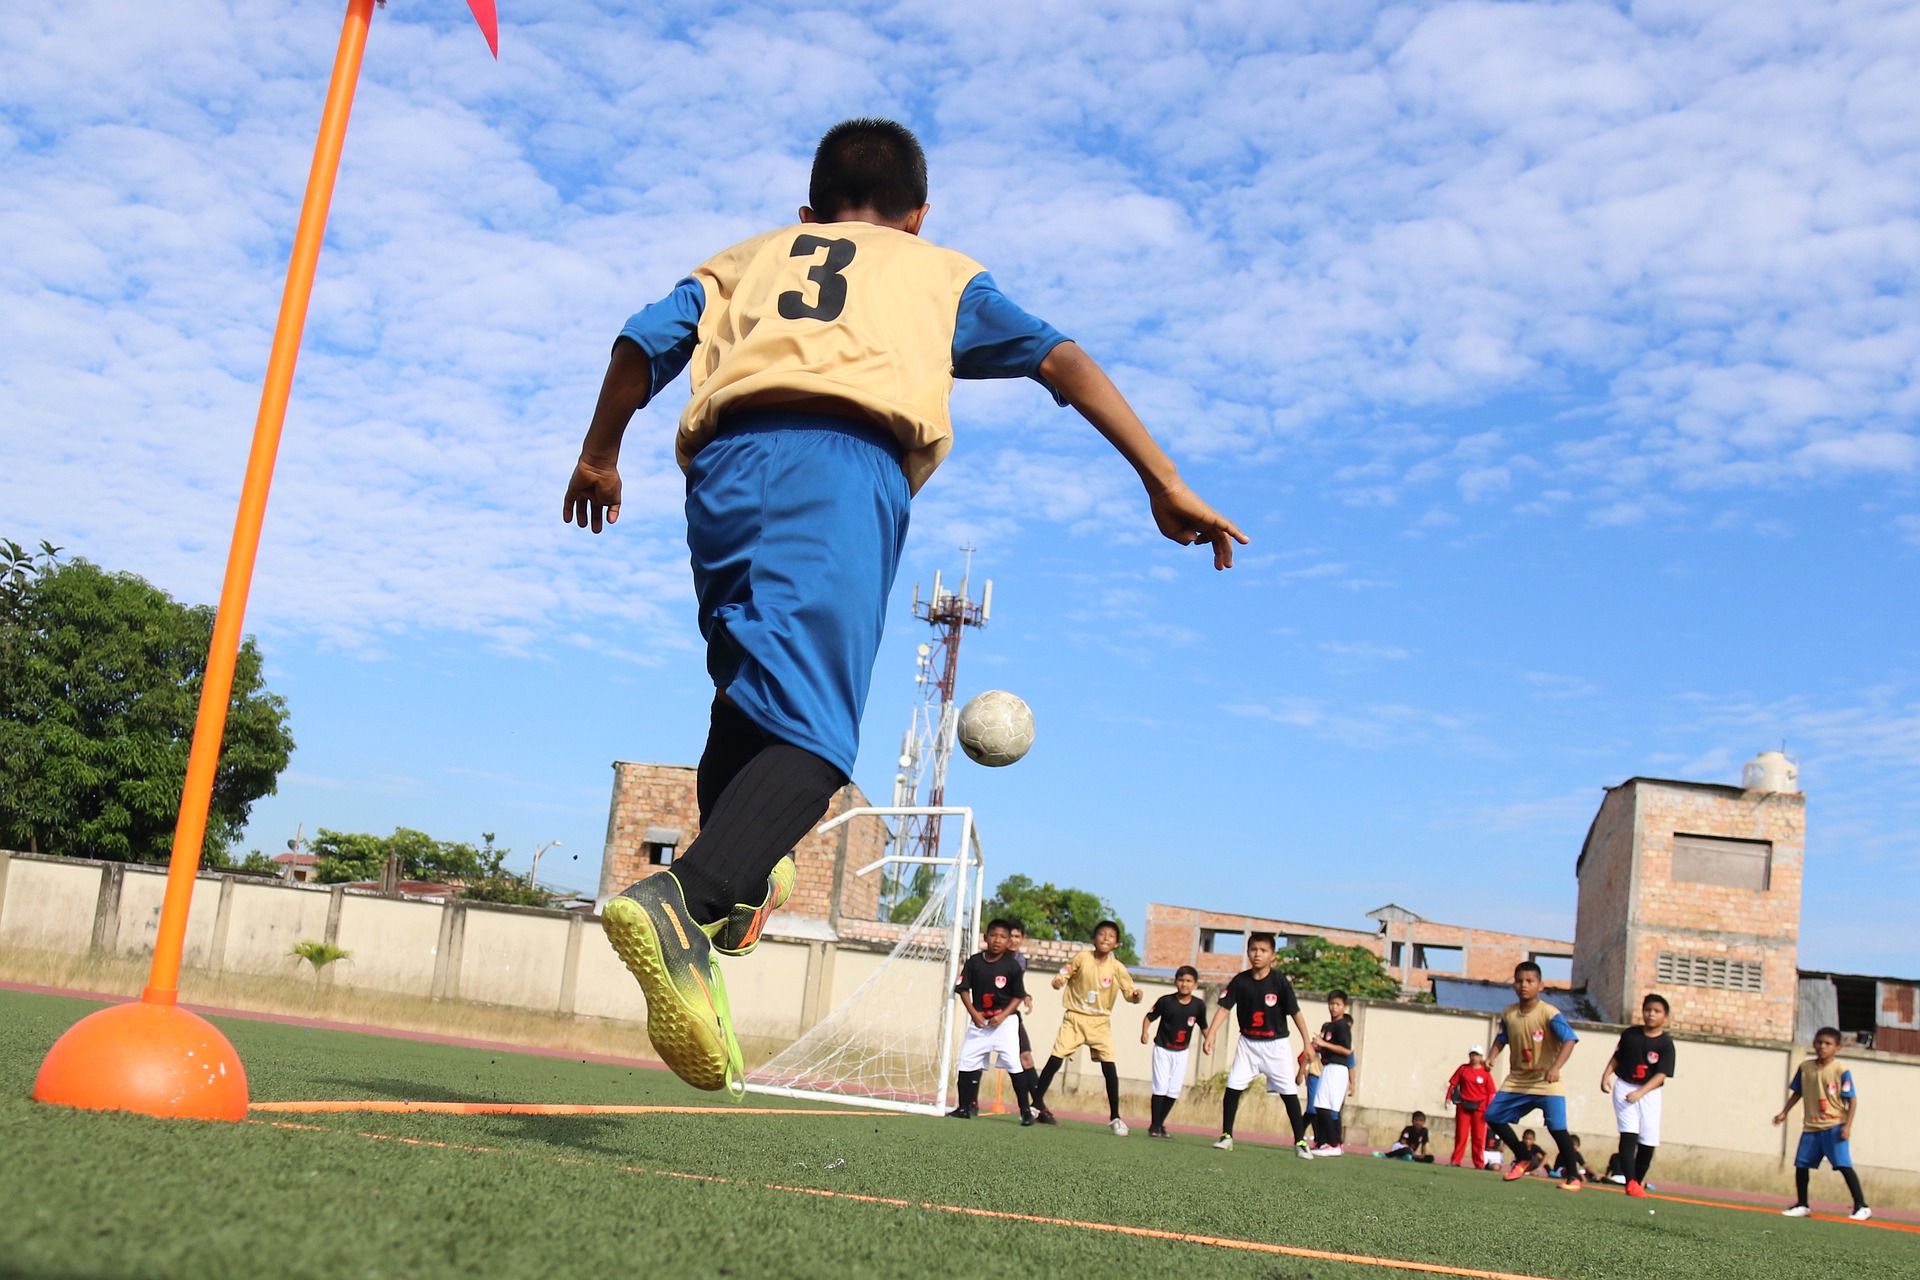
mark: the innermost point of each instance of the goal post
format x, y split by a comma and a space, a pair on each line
891, 1043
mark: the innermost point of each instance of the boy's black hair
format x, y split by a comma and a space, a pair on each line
1107, 924
1419, 1115
1526, 966
1338, 994
1014, 925
1833, 1032
1654, 997
1263, 937
868, 164
1186, 970
998, 922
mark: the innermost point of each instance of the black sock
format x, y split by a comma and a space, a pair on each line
1047, 1074
1569, 1158
1112, 1072
1339, 1129
1642, 1162
1162, 1107
970, 1090
1023, 1091
1853, 1186
1322, 1122
768, 805
1295, 1116
1800, 1179
1505, 1133
1629, 1155
1229, 1108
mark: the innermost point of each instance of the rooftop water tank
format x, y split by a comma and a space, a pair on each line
1771, 771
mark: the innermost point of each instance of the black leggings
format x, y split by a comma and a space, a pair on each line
759, 796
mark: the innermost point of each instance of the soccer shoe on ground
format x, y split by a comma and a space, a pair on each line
1798, 1211
1225, 1143
1617, 1180
1027, 1121
1158, 1133
688, 1019
960, 1113
1515, 1172
1328, 1150
1862, 1214
1118, 1126
1635, 1190
1045, 1116
1573, 1184
738, 932
1303, 1149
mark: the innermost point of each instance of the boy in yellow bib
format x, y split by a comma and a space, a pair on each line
821, 358
1093, 980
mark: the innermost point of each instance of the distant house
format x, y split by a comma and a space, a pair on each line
300, 868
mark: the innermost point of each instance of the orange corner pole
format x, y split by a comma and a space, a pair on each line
190, 830
154, 1057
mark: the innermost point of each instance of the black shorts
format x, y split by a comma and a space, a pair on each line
1026, 1045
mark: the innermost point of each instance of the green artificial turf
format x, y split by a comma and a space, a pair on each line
90, 1194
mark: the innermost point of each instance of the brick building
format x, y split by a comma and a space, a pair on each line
1692, 889
655, 815
1414, 948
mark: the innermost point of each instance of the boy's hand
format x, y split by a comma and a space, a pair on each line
978, 1021
1143, 1035
1553, 1075
1782, 1117
593, 490
996, 1020
1135, 996
1183, 516
1636, 1095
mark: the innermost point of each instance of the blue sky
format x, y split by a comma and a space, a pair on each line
1559, 358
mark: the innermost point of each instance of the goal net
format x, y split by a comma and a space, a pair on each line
891, 1042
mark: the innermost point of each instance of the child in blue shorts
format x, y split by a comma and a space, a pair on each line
821, 357
1539, 1041
1829, 1106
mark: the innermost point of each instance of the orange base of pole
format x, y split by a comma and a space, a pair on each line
154, 1059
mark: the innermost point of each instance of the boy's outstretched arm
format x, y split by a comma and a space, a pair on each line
593, 491
1179, 512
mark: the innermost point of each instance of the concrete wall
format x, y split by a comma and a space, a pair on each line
1717, 1110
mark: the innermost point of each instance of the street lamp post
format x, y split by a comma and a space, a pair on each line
533, 876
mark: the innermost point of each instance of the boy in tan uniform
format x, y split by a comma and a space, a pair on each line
822, 355
1829, 1105
1093, 981
1539, 1040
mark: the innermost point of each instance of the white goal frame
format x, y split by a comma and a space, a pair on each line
969, 868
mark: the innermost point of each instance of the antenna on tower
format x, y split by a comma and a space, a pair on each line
928, 744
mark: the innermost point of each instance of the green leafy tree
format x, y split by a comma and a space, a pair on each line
100, 678
480, 872
1314, 964
1048, 911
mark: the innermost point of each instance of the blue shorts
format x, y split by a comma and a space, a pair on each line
795, 522
1823, 1144
1508, 1107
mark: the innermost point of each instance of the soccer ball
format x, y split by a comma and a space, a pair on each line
995, 729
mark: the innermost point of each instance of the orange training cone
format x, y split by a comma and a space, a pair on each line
156, 1059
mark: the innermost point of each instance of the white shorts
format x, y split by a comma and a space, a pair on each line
1330, 1088
1270, 1058
984, 1044
1642, 1117
1169, 1071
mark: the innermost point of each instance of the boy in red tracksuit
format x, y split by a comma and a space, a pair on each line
1470, 1089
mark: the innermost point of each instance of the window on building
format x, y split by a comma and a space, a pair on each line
1223, 941
1678, 968
659, 854
1554, 969
1735, 864
1437, 959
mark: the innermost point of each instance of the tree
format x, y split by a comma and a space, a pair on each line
1314, 964
1048, 911
481, 872
100, 677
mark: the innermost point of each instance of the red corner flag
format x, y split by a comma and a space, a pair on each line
489, 23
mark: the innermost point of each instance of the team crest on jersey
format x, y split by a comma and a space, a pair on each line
1539, 1035
1000, 980
1106, 982
1653, 1057
1272, 999
1191, 1019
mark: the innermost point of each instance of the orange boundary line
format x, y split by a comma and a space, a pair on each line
543, 1109
1114, 1228
1763, 1208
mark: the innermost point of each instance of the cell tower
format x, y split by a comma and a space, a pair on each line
928, 744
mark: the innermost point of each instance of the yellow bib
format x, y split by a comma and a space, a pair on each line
849, 313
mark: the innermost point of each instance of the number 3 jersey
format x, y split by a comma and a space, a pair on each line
839, 317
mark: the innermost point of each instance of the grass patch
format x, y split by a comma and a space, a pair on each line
113, 1195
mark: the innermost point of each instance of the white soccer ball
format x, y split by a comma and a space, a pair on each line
996, 728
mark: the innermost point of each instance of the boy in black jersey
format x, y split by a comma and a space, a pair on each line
1180, 1015
991, 988
1641, 1064
1333, 1081
1412, 1144
1262, 1001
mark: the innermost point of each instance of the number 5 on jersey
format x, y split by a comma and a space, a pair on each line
831, 298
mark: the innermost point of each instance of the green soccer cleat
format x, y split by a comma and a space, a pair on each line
738, 932
688, 1019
